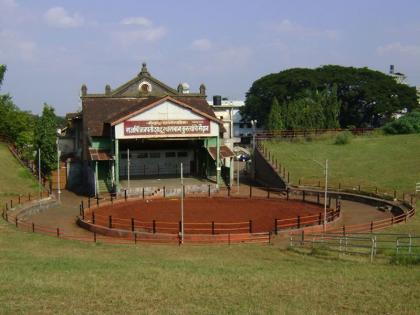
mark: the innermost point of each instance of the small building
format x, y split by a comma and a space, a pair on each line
238, 131
146, 129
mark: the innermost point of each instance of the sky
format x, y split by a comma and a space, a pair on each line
51, 47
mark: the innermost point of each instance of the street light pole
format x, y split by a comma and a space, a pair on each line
58, 172
325, 196
254, 124
182, 206
325, 192
39, 177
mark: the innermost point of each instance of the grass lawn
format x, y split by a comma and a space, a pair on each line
386, 162
389, 162
44, 275
14, 178
41, 274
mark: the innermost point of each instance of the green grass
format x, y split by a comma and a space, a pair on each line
14, 178
41, 274
386, 162
44, 275
389, 162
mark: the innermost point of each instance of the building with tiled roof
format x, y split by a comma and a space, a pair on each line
146, 129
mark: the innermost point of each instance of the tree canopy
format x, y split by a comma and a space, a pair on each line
45, 139
365, 97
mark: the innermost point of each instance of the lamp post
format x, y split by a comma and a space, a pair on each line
39, 177
325, 192
182, 206
254, 125
58, 172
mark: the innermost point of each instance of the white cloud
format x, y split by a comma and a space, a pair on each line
15, 47
288, 27
142, 21
59, 17
399, 49
202, 44
8, 4
135, 30
129, 38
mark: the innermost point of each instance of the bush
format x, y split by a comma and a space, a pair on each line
405, 260
409, 123
343, 138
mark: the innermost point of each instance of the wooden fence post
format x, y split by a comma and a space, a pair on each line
209, 191
110, 221
212, 227
319, 218
154, 226
132, 224
275, 227
33, 227
58, 232
371, 227
298, 221
250, 191
125, 194
250, 226
93, 217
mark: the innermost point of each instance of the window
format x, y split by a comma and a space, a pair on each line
182, 154
144, 88
154, 155
170, 154
249, 125
241, 125
142, 155
124, 155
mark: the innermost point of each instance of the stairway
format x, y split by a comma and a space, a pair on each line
102, 186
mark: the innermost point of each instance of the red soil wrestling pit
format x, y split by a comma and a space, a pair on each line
230, 215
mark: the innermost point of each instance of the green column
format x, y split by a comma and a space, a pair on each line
231, 171
218, 166
96, 178
117, 166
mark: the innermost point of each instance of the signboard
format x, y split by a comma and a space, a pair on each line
166, 127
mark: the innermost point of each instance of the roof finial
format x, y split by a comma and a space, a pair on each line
144, 70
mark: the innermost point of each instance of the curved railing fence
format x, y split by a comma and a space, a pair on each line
16, 209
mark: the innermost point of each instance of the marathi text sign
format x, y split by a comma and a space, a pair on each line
166, 127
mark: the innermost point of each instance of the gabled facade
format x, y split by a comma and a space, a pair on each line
143, 129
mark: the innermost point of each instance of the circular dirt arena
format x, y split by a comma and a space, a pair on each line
206, 215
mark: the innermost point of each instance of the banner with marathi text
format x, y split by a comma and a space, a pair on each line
166, 127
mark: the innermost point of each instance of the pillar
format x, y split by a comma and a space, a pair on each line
231, 171
218, 166
96, 179
117, 166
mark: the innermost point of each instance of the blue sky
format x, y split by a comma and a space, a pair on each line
52, 47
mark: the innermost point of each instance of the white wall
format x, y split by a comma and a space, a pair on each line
166, 111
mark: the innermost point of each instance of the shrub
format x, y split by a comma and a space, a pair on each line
409, 123
405, 260
343, 138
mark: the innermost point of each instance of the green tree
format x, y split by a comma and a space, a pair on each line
275, 118
305, 112
366, 97
45, 139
